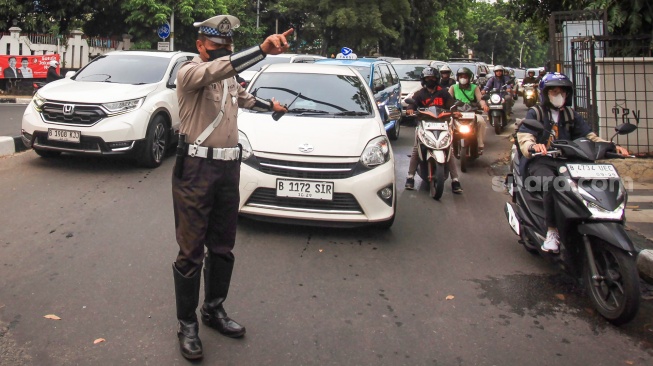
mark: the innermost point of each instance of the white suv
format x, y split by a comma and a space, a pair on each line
123, 102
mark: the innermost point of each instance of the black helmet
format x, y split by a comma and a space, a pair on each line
531, 72
430, 71
552, 80
465, 71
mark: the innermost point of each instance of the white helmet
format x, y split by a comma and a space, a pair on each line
54, 63
445, 68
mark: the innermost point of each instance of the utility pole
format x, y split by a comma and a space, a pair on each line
258, 11
520, 52
172, 31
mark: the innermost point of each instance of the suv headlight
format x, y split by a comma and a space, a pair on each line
123, 106
38, 102
247, 147
376, 152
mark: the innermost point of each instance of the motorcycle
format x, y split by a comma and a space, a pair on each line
465, 135
435, 135
530, 95
36, 85
497, 103
590, 216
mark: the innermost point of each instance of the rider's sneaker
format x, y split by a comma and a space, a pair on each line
552, 242
410, 183
456, 187
480, 151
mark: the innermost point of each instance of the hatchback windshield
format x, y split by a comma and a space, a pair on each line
321, 95
268, 61
125, 69
409, 72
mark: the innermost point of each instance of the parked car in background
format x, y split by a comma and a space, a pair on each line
328, 161
248, 73
480, 69
519, 76
410, 72
384, 82
121, 103
438, 64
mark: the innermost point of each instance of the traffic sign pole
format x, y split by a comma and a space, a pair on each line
172, 31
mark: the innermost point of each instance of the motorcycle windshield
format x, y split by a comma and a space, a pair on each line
434, 113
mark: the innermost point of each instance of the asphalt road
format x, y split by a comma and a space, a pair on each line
11, 119
92, 241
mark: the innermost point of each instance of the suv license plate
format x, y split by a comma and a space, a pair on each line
64, 135
305, 189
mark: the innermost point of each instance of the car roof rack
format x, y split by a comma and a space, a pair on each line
463, 59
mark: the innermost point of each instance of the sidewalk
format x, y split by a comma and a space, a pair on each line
12, 144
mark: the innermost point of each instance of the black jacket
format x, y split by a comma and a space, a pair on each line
52, 75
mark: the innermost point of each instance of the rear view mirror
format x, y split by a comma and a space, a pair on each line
387, 114
533, 124
625, 128
69, 74
409, 101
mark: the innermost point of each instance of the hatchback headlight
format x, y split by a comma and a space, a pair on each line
123, 106
38, 102
376, 152
247, 147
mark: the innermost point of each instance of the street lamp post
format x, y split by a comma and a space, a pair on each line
520, 53
258, 7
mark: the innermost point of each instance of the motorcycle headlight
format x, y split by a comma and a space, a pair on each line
495, 98
529, 93
38, 102
427, 138
247, 147
376, 152
123, 106
464, 129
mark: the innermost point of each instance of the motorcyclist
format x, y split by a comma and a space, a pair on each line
497, 82
432, 94
530, 78
467, 92
560, 122
541, 73
445, 77
52, 72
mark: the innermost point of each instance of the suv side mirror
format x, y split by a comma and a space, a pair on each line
69, 74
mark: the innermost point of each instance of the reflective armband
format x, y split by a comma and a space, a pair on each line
244, 59
262, 105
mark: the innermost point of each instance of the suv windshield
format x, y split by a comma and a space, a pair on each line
409, 72
350, 93
454, 66
125, 69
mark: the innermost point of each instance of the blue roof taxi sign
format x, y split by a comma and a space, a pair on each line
346, 54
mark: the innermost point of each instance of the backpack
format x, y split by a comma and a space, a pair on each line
544, 118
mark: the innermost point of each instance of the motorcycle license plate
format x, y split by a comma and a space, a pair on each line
468, 115
305, 189
436, 126
63, 135
592, 171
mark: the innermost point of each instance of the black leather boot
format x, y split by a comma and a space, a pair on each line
187, 292
217, 276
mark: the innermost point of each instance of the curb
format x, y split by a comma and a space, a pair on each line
645, 265
11, 145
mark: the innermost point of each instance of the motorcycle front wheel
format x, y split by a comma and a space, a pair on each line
464, 157
436, 185
616, 294
498, 125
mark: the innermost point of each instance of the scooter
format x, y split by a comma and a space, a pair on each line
435, 136
589, 201
497, 103
530, 95
465, 142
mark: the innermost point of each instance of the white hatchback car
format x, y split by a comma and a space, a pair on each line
328, 161
123, 102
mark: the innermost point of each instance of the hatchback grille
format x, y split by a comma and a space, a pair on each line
300, 169
84, 115
341, 202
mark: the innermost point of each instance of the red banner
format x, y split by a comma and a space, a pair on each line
26, 66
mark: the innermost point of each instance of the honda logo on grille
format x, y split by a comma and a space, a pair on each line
68, 109
306, 148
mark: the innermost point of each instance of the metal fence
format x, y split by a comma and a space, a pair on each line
612, 77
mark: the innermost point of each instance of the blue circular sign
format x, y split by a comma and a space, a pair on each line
164, 30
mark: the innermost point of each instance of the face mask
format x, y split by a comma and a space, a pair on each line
463, 81
431, 84
220, 52
558, 101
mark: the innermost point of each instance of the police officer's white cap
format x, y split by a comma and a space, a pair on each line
219, 29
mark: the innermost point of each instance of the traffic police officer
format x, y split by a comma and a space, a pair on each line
207, 172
